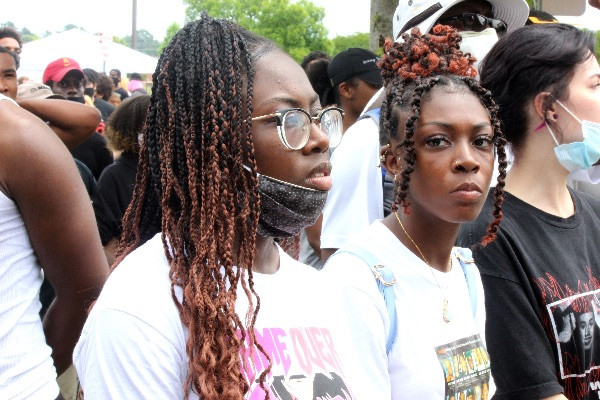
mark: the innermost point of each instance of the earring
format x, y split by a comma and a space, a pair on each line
555, 116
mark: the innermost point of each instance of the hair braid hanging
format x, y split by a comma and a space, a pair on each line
192, 187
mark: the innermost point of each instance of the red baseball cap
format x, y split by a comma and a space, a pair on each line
56, 70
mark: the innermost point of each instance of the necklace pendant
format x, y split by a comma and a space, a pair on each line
445, 311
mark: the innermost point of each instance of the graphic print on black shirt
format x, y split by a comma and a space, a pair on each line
574, 320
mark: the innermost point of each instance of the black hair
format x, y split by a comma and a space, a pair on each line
313, 56
11, 32
14, 55
91, 75
126, 123
317, 75
533, 59
104, 87
118, 72
336, 89
135, 77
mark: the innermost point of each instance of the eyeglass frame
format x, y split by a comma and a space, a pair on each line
280, 115
494, 23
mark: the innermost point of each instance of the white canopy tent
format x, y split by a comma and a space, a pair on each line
87, 50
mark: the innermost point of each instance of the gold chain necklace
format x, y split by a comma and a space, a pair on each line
444, 291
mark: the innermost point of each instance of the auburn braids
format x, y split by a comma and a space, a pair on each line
192, 186
410, 70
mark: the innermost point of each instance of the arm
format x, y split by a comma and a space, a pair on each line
71, 122
38, 173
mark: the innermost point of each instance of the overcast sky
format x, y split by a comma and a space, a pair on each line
113, 17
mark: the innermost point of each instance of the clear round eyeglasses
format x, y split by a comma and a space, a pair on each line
293, 125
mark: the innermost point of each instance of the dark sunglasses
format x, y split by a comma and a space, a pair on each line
475, 23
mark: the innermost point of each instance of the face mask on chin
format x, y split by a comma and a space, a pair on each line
285, 208
478, 43
582, 154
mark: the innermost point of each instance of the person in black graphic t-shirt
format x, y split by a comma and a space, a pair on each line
543, 270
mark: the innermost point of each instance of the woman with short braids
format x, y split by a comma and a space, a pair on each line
421, 334
202, 302
542, 273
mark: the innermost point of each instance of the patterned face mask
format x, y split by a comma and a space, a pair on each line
285, 208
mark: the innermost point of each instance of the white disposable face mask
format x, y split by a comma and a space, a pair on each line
478, 43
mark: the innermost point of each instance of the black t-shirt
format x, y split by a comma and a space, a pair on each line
94, 154
122, 92
116, 188
104, 107
542, 290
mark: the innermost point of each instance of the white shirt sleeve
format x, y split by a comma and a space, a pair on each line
356, 198
133, 361
362, 323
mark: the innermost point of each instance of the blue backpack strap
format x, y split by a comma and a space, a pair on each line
467, 263
373, 114
385, 283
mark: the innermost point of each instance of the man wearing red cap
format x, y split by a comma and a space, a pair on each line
65, 77
72, 123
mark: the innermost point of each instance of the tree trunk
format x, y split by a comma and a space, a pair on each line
382, 12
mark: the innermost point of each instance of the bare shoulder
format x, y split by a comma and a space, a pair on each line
18, 125
23, 138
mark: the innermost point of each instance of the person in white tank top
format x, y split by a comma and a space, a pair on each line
47, 228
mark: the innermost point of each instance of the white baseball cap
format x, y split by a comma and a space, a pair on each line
424, 13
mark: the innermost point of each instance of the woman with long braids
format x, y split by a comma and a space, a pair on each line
542, 274
419, 336
202, 302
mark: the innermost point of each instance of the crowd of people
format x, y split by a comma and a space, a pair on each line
351, 227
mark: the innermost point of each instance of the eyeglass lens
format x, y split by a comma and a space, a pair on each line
331, 124
296, 127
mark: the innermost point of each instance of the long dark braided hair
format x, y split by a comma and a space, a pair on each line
410, 70
192, 186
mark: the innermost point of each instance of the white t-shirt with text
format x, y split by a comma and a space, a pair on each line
133, 343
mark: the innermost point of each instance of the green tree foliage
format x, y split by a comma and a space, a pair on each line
297, 27
28, 36
68, 27
145, 42
171, 31
341, 43
119, 40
